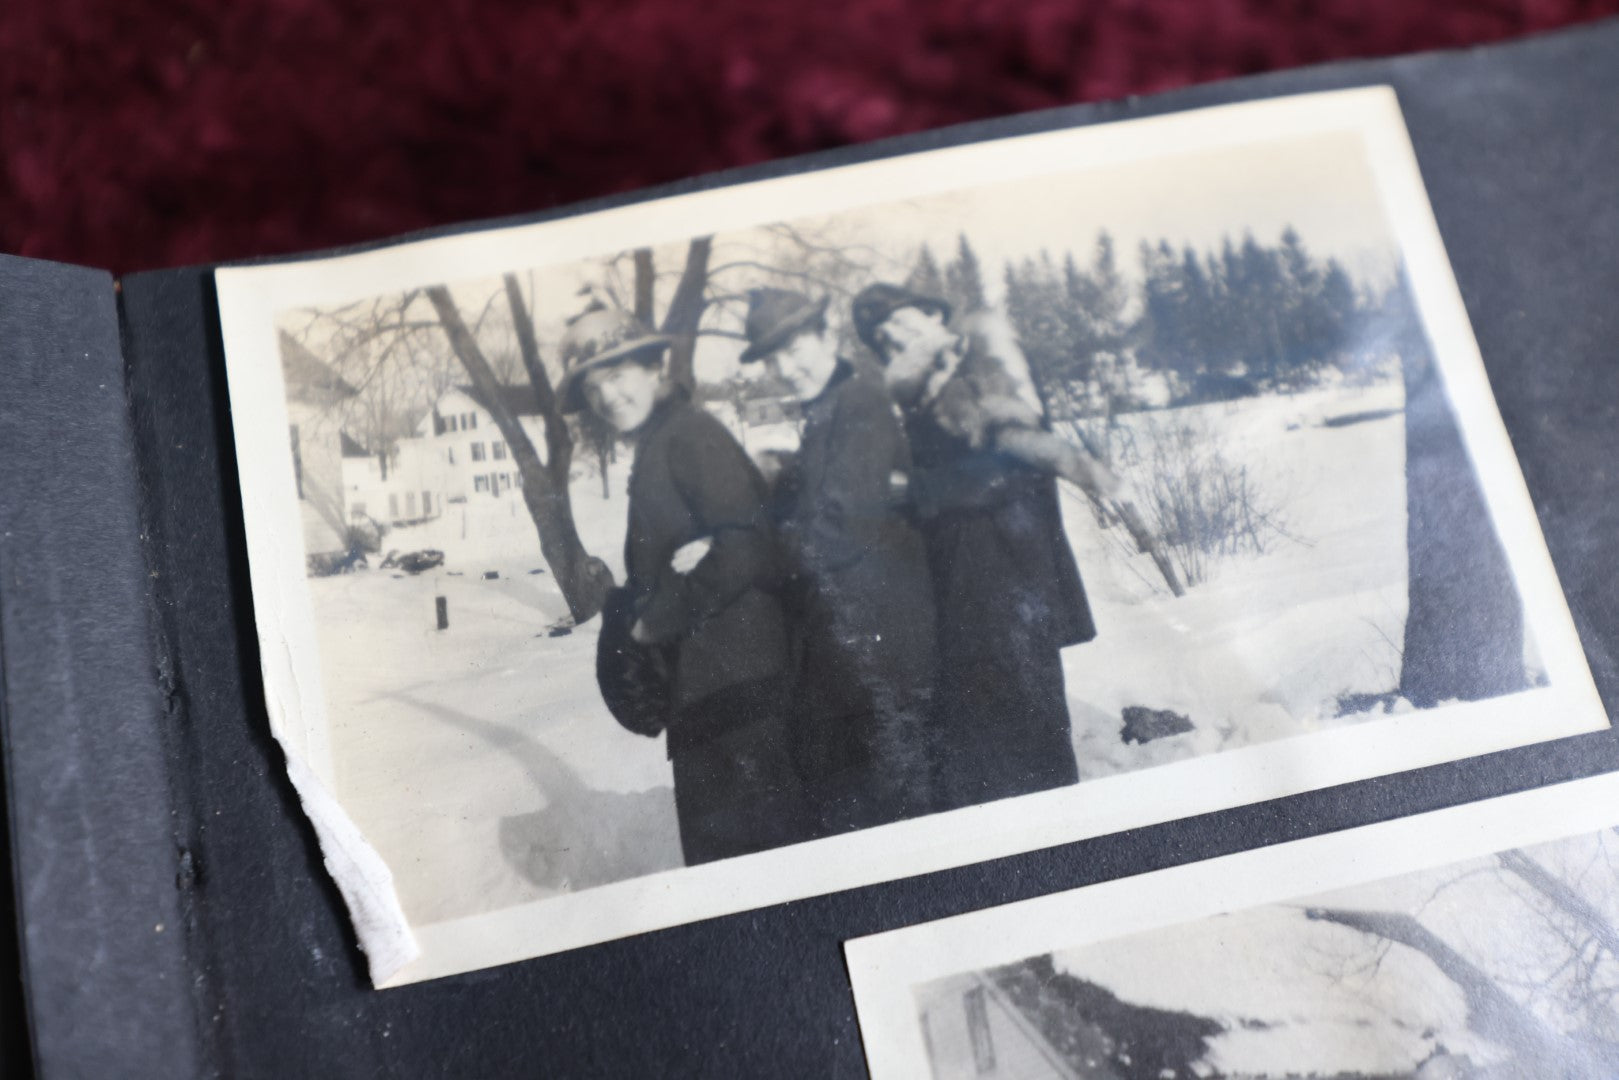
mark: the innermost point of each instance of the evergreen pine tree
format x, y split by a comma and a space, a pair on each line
1197, 315
964, 279
1260, 299
1298, 311
925, 277
1338, 309
1110, 292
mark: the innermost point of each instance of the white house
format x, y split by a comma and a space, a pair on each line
455, 456
392, 487
461, 450
315, 395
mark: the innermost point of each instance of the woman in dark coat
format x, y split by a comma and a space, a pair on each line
720, 623
860, 596
1006, 587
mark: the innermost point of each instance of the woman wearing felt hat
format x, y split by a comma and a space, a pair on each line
715, 631
1005, 583
860, 596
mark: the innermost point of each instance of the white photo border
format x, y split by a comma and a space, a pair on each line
251, 297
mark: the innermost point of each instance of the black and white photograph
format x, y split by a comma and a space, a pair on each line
919, 511
1501, 965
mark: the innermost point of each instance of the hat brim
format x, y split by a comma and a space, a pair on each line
783, 331
571, 390
867, 332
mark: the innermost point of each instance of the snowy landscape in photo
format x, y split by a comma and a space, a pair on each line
490, 738
1250, 409
1494, 968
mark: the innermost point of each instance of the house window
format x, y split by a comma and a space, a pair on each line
410, 504
480, 483
473, 417
498, 449
297, 461
449, 452
427, 504
477, 451
393, 507
978, 1030
517, 479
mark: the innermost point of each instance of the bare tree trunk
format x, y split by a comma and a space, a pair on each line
584, 580
1122, 509
1567, 900
645, 297
1491, 1012
686, 312
604, 457
558, 441
1464, 628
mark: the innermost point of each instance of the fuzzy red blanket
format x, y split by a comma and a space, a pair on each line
171, 131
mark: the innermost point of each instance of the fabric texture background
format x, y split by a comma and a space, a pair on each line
164, 132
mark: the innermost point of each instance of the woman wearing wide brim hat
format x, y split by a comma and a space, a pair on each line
714, 634
598, 338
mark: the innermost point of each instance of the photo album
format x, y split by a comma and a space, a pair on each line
1115, 593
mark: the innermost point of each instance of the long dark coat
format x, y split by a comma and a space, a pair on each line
691, 481
1009, 598
863, 611
735, 787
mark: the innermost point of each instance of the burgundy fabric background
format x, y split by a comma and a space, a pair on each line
156, 132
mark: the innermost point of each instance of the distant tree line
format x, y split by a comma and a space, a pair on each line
1248, 318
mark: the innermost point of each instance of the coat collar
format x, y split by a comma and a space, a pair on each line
840, 375
672, 402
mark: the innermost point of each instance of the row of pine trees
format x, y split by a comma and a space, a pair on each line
1245, 319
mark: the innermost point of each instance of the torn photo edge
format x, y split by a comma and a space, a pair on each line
251, 297
885, 969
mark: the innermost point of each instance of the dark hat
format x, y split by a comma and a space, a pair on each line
774, 316
875, 303
596, 338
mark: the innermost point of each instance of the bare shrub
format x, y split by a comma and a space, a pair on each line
1202, 505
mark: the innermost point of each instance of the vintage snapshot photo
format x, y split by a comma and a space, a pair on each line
1419, 948
715, 551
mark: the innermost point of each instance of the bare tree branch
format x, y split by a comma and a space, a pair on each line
584, 580
645, 296
685, 312
1567, 900
1490, 1011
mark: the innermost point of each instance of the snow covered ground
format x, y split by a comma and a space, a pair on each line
1268, 644
1303, 997
490, 736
